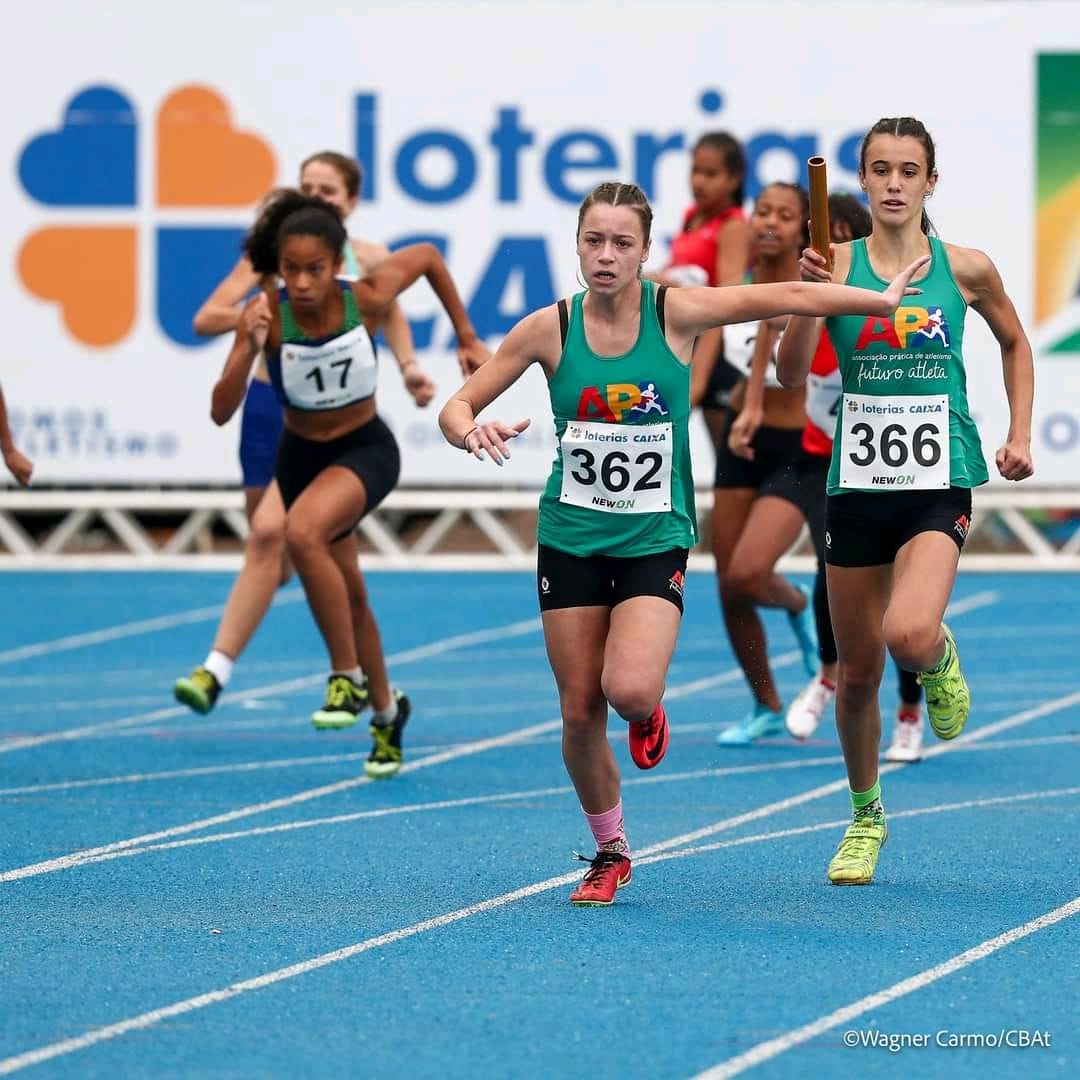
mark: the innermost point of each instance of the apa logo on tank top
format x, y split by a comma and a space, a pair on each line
621, 403
909, 326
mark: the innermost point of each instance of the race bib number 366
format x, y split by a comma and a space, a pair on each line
617, 468
895, 442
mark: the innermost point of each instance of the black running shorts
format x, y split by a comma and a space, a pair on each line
370, 451
864, 528
772, 469
567, 581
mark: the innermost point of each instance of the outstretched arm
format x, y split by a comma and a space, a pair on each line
533, 340
690, 311
221, 311
407, 265
18, 464
976, 273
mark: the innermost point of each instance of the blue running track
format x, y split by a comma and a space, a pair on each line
227, 896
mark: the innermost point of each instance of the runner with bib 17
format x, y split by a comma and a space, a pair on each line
617, 516
905, 457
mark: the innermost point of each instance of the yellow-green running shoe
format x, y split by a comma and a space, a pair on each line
857, 855
345, 701
386, 754
198, 691
948, 700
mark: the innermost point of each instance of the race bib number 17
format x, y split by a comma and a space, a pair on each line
895, 442
620, 469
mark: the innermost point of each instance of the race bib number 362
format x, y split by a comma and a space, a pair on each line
620, 469
894, 442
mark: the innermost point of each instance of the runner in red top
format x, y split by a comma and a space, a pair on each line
712, 248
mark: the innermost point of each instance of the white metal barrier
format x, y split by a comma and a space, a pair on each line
101, 529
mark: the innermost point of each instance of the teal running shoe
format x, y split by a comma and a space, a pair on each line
804, 627
760, 723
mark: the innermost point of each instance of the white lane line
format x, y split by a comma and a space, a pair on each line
972, 603
442, 804
772, 1048
422, 652
551, 792
180, 774
131, 629
155, 1016
73, 859
328, 759
334, 759
66, 862
960, 607
822, 826
78, 704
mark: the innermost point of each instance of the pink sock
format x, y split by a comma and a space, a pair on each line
607, 829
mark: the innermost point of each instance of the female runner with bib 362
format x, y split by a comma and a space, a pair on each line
617, 516
906, 455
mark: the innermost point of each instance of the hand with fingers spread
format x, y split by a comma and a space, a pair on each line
1014, 460
899, 287
493, 437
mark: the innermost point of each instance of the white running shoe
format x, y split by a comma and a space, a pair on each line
808, 708
907, 736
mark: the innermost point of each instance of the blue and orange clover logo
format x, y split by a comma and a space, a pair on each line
92, 161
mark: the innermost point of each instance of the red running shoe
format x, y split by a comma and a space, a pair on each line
649, 739
608, 871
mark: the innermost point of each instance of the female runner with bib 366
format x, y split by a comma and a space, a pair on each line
617, 516
905, 457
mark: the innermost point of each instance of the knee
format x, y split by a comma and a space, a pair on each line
266, 541
631, 695
858, 680
583, 711
745, 581
301, 540
734, 598
911, 642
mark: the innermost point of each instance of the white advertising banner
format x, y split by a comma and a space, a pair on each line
137, 145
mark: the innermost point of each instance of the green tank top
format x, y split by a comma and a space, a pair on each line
621, 483
904, 421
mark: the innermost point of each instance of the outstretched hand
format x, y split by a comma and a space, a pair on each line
899, 287
493, 437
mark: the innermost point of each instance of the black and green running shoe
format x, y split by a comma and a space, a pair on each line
386, 754
198, 691
345, 701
